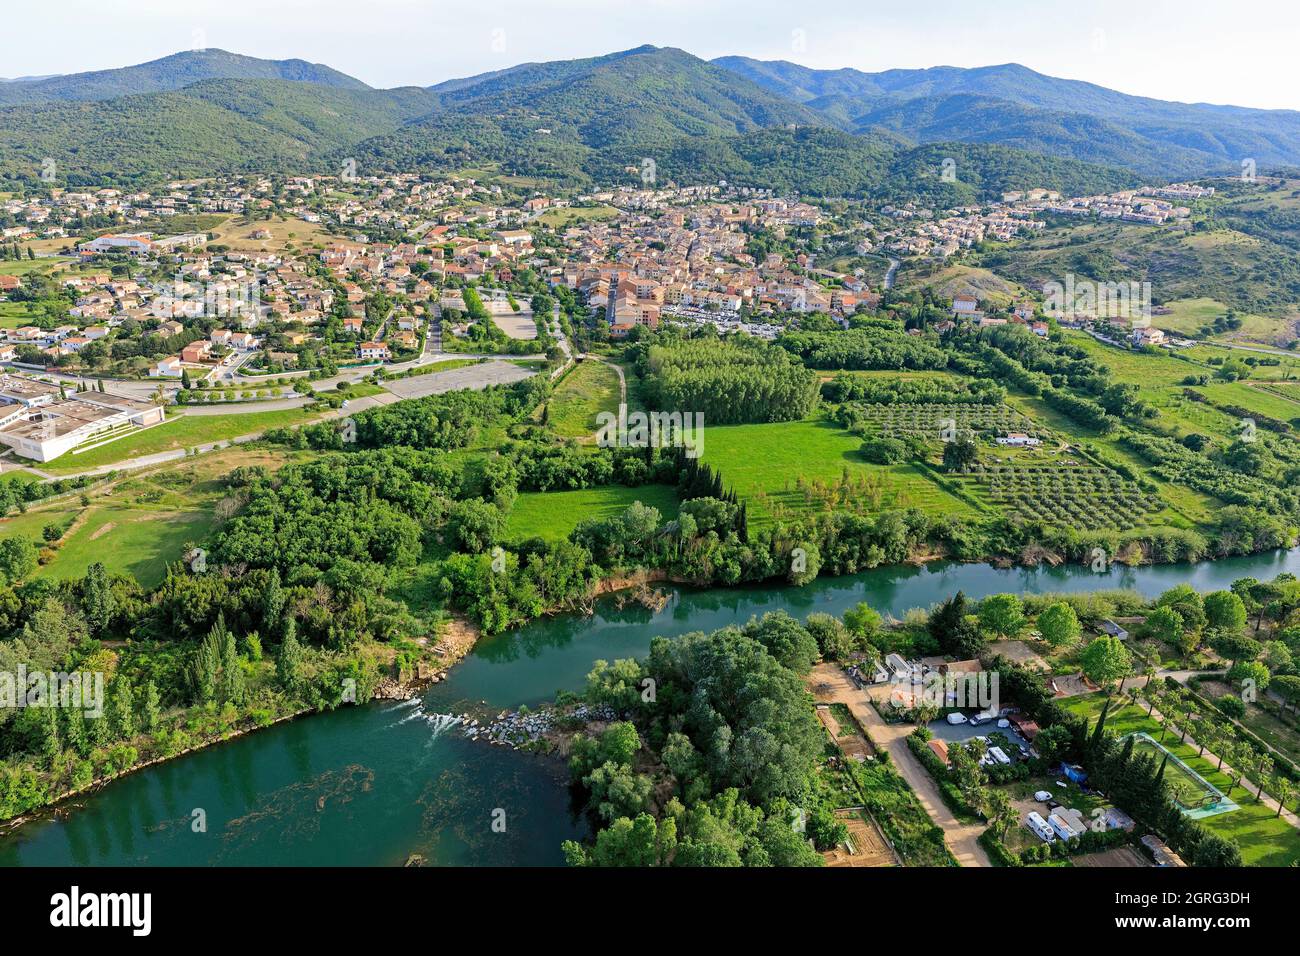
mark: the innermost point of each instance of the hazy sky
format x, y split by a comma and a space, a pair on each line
1188, 50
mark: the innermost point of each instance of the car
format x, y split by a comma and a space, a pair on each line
1042, 796
956, 717
1004, 723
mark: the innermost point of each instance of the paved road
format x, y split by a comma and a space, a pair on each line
832, 684
889, 274
432, 383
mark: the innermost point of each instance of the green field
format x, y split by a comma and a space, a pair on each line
136, 525
553, 514
177, 432
133, 540
1138, 368
563, 218
1264, 839
764, 464
1189, 316
590, 388
14, 315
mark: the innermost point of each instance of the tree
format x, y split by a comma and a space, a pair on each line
122, 708
1002, 615
960, 452
98, 601
1053, 743
289, 661
949, 626
785, 639
863, 619
1287, 686
1187, 602
475, 525
1254, 672
1106, 660
1225, 611
1000, 812
149, 708
1059, 625
1165, 625
17, 559
1215, 851
1283, 789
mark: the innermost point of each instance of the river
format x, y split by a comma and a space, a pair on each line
370, 785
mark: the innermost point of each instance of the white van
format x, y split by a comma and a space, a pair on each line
956, 717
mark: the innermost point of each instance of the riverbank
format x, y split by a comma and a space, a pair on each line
457, 639
432, 786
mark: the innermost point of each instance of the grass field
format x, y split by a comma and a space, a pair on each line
1264, 839
591, 388
138, 524
553, 514
1190, 315
764, 464
177, 432
563, 218
14, 315
1138, 368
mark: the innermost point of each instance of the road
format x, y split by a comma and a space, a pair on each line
434, 383
889, 274
833, 685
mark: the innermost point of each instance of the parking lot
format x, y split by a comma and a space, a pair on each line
963, 732
471, 376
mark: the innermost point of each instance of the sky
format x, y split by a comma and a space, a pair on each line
1189, 50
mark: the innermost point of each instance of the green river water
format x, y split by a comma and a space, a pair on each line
370, 785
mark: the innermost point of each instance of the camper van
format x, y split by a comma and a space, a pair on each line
1040, 827
1063, 827
998, 754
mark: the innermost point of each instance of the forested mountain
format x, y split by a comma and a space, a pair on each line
215, 126
170, 73
1015, 106
597, 121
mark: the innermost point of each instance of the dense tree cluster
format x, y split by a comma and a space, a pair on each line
729, 382
715, 762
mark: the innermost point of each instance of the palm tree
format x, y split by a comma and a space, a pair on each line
1000, 812
1263, 768
1232, 751
1283, 790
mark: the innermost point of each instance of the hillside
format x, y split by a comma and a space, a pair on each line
214, 126
1251, 273
170, 73
1014, 106
597, 120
